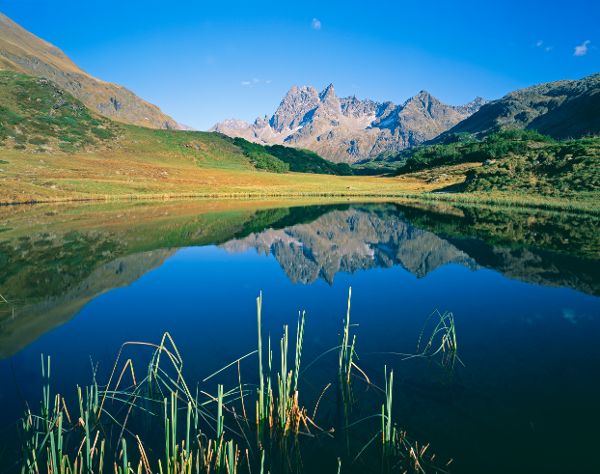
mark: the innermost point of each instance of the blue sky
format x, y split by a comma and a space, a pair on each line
204, 61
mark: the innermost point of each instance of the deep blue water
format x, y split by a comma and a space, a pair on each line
525, 400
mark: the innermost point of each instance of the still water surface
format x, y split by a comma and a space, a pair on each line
523, 288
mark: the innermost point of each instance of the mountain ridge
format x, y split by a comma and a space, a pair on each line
348, 129
23, 52
560, 109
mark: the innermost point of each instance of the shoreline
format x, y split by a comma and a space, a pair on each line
585, 206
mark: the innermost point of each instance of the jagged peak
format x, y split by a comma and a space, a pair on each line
329, 91
261, 121
295, 90
472, 106
422, 96
476, 101
231, 124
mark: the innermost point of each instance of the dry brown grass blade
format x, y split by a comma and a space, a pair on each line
319, 399
144, 457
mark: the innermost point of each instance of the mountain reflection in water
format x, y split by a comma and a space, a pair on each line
52, 265
80, 280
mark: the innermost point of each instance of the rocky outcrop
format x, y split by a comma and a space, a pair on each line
349, 129
24, 52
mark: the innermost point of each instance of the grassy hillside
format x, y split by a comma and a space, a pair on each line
36, 115
561, 109
555, 168
517, 161
21, 51
54, 148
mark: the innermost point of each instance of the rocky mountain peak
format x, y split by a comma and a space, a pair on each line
422, 99
473, 106
295, 105
233, 123
262, 121
327, 93
423, 95
349, 129
329, 100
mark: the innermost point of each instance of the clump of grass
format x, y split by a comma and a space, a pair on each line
442, 340
116, 425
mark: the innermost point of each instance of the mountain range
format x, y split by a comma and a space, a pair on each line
348, 129
48, 105
23, 52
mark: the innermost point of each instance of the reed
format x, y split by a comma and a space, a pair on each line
116, 425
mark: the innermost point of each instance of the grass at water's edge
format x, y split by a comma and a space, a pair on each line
260, 427
589, 204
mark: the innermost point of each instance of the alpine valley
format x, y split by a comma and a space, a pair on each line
66, 135
356, 285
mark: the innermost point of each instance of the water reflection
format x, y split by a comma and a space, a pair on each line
358, 238
81, 280
54, 260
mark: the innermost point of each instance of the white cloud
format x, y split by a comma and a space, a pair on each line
540, 44
255, 82
315, 24
582, 49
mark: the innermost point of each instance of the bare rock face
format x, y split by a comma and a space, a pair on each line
23, 52
349, 129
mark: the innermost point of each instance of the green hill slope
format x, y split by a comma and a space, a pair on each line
37, 116
519, 161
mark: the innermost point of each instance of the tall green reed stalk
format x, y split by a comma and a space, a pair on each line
204, 433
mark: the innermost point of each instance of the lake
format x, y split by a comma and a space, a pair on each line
520, 394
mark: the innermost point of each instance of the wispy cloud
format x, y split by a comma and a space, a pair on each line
582, 49
541, 45
315, 24
255, 81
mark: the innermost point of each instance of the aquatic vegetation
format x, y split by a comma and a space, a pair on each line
157, 423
